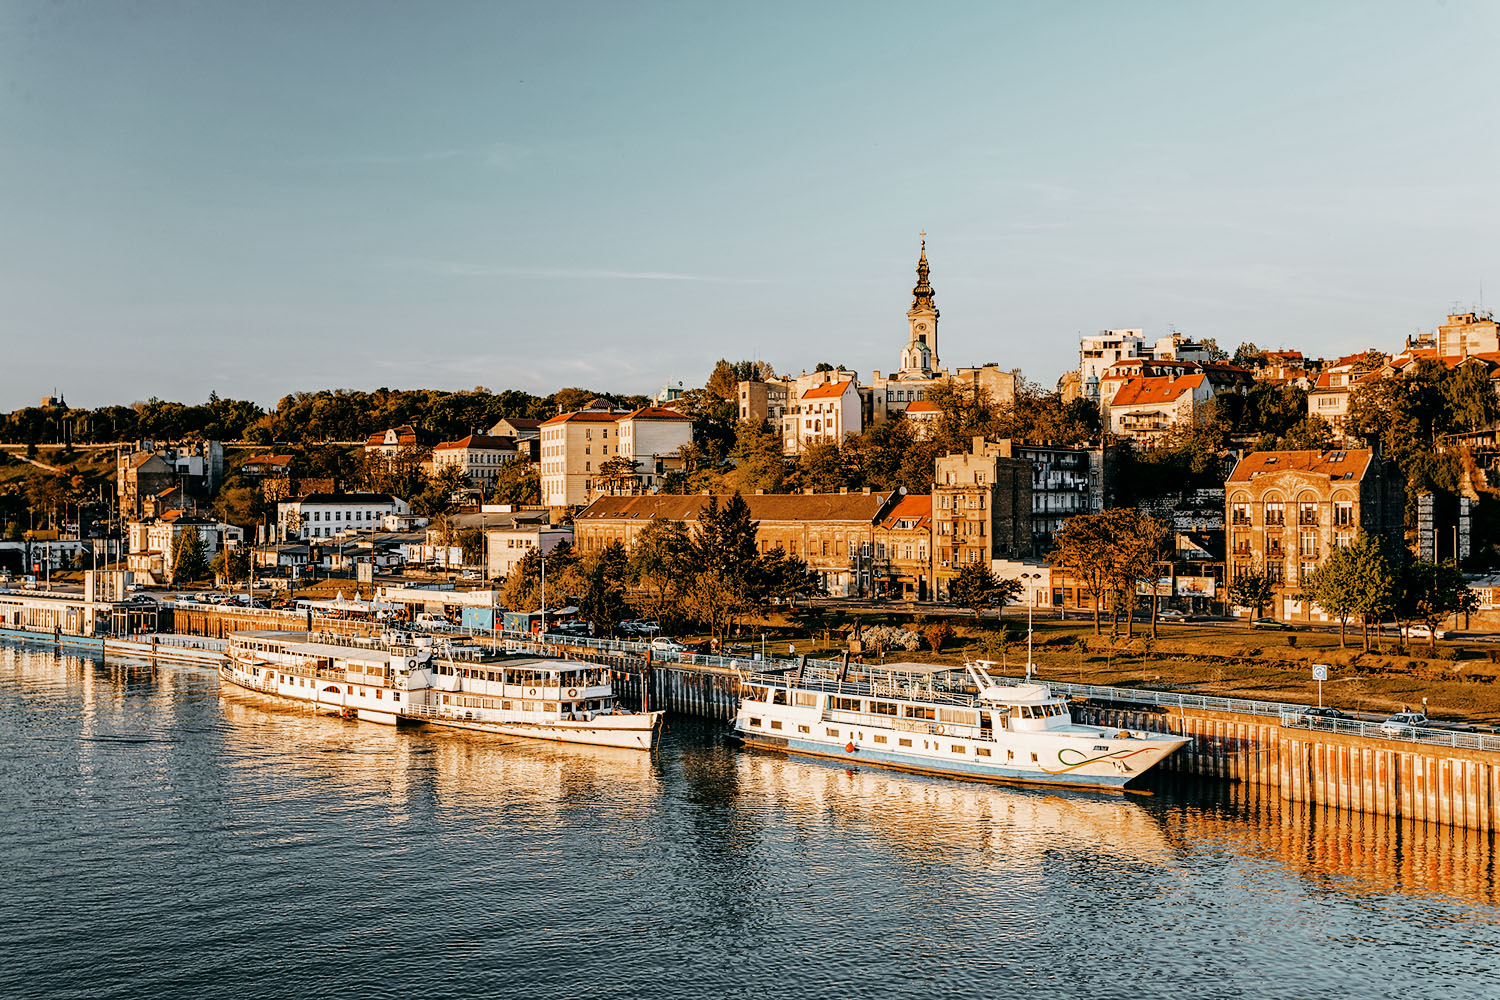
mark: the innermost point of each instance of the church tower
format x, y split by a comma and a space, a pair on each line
921, 355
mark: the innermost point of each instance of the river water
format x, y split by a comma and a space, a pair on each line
161, 837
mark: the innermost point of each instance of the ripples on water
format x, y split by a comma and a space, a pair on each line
162, 838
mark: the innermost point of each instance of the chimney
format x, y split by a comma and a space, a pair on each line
867, 491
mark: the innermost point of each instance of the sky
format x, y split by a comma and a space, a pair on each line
259, 199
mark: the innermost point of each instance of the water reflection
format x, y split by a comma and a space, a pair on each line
927, 816
1334, 851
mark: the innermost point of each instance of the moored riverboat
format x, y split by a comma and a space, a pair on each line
932, 719
404, 679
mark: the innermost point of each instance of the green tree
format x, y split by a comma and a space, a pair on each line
1252, 588
617, 475
976, 588
787, 577
189, 560
757, 459
517, 481
603, 600
471, 546
727, 580
1355, 580
1430, 593
231, 565
442, 492
657, 564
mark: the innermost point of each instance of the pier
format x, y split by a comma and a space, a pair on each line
1431, 775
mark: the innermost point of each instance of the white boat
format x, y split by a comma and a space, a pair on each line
402, 679
931, 719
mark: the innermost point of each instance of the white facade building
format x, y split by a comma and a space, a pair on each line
326, 515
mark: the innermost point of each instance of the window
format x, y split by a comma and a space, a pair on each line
1343, 512
1239, 513
1309, 547
1275, 513
831, 732
1307, 513
981, 751
903, 742
754, 722
957, 748
881, 739
803, 729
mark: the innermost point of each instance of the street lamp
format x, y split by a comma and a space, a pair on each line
1031, 580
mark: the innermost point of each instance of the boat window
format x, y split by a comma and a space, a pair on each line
882, 708
904, 743
551, 706
803, 729
919, 712
957, 748
981, 751
775, 723
807, 699
754, 721
831, 732
880, 739
778, 696
844, 704
961, 716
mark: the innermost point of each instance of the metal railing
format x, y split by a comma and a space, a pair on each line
1425, 735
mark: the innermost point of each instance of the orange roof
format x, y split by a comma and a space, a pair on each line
1155, 389
918, 508
1350, 464
268, 460
483, 441
592, 416
923, 406
654, 413
827, 390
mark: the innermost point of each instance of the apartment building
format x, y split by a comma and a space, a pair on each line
1146, 409
1287, 510
479, 456
902, 566
576, 446
981, 510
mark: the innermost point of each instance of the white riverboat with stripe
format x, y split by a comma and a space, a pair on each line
932, 719
401, 679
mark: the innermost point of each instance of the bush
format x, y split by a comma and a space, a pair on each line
1291, 640
936, 634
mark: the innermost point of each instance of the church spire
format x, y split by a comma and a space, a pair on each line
922, 295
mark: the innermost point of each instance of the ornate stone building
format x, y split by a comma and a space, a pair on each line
1286, 511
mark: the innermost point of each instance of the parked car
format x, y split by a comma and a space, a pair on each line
1421, 631
1404, 724
1269, 623
1323, 712
662, 644
639, 627
573, 626
1171, 615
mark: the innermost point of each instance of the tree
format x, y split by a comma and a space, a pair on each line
657, 564
787, 577
1247, 355
726, 578
188, 559
231, 565
603, 601
757, 458
1252, 588
617, 475
1430, 593
471, 546
936, 634
441, 494
976, 588
1136, 556
517, 481
1355, 580
1083, 550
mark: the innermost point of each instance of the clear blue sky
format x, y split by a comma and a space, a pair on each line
259, 198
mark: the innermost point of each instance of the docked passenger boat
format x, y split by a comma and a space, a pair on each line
404, 679
931, 719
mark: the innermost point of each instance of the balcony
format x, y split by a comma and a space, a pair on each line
1309, 517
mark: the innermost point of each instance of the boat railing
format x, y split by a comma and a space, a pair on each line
925, 727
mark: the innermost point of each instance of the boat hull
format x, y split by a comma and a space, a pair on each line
865, 755
622, 731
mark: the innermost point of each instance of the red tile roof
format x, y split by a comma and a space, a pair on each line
826, 390
269, 460
1155, 389
654, 413
482, 441
1333, 464
917, 508
923, 406
580, 416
